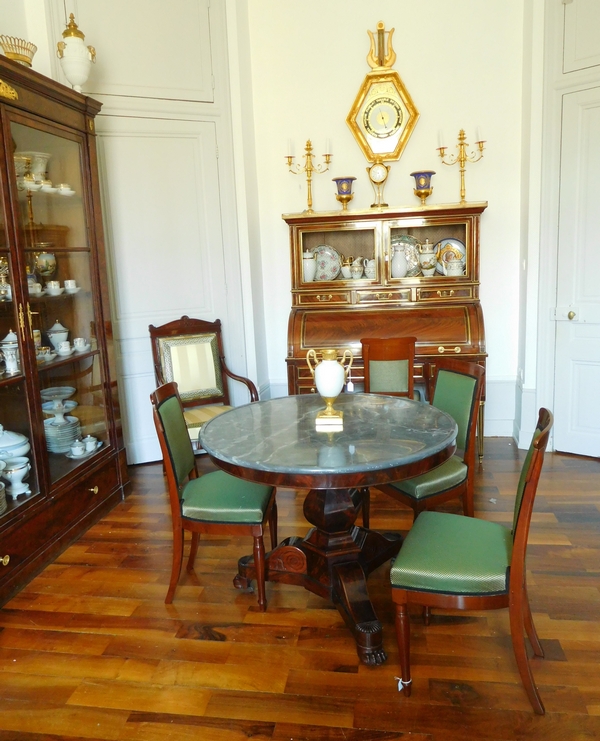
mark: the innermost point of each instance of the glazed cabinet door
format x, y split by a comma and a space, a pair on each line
19, 480
56, 284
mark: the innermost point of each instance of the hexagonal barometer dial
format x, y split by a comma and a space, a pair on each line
383, 116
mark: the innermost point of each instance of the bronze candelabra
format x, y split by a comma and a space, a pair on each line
308, 168
462, 158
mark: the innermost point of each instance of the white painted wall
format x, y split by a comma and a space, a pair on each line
463, 64
294, 71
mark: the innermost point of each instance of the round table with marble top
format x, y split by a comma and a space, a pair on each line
280, 442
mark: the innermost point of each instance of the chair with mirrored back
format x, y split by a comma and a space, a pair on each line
448, 561
458, 388
190, 352
214, 503
388, 369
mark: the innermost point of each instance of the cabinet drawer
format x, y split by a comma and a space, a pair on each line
96, 485
383, 296
323, 297
57, 519
460, 293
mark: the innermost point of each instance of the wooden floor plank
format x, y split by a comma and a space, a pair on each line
89, 650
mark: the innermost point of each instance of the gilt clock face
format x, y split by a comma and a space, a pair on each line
377, 173
383, 116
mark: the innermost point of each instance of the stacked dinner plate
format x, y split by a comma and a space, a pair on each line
60, 437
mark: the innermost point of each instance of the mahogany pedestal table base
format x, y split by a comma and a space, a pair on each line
383, 439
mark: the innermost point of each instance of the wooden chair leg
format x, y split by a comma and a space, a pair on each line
193, 551
273, 525
402, 623
530, 627
259, 567
468, 503
366, 506
176, 564
418, 507
517, 631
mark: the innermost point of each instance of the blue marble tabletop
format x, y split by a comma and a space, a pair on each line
280, 435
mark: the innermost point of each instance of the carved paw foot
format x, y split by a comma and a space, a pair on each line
240, 582
374, 657
368, 643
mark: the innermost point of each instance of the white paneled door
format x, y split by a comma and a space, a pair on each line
163, 228
577, 379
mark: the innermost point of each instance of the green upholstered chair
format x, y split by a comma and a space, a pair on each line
453, 562
388, 365
388, 369
190, 352
213, 503
458, 392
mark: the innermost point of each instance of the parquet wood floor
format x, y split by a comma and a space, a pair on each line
89, 650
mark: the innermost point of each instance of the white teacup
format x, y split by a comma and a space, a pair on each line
64, 346
454, 267
79, 343
78, 447
70, 284
35, 288
90, 443
53, 285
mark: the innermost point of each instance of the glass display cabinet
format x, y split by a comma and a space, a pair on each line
61, 451
386, 273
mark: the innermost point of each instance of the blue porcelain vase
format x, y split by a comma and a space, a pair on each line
423, 186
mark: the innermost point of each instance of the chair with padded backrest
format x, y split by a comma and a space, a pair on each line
453, 562
213, 503
190, 352
458, 392
388, 369
388, 365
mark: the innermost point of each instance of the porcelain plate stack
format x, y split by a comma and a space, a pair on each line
60, 437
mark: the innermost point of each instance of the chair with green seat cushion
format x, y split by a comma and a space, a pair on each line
458, 391
215, 503
388, 369
453, 562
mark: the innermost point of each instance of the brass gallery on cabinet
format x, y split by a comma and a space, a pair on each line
57, 382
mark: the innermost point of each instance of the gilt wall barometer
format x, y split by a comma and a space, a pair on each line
383, 115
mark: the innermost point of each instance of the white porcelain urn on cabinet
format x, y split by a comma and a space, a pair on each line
76, 58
